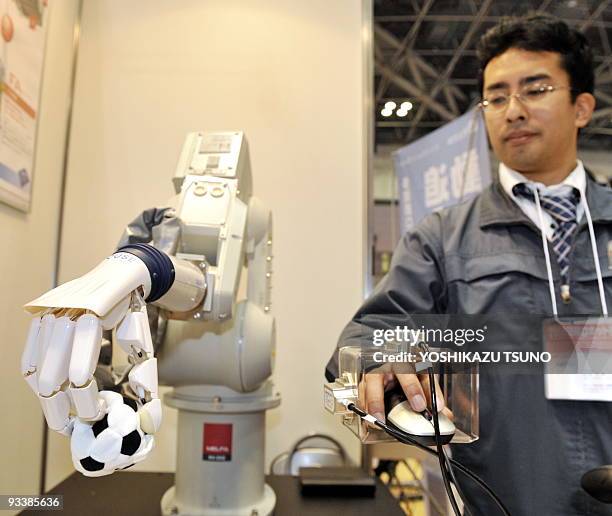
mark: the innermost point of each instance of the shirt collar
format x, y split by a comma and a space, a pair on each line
508, 178
499, 208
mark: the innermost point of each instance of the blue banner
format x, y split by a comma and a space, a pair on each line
449, 165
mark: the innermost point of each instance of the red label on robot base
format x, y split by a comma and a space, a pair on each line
217, 442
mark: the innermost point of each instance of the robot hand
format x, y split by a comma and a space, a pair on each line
108, 432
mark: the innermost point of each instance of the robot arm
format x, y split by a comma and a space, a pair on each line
196, 279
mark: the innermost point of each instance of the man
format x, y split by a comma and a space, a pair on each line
486, 256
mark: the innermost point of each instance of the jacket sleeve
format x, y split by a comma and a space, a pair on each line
414, 285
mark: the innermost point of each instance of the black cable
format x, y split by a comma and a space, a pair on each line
405, 438
451, 472
445, 465
441, 454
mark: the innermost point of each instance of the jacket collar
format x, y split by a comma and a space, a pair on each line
599, 199
497, 208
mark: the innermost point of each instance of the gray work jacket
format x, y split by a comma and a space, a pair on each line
485, 256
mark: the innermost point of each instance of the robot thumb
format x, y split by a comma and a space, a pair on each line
150, 416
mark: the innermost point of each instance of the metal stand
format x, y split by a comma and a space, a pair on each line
230, 483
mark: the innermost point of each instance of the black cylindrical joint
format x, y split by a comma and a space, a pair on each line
159, 264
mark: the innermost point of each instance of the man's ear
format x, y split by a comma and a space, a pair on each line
584, 106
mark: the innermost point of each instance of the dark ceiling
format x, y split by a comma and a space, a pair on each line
424, 53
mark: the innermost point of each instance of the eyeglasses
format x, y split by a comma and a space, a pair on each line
528, 94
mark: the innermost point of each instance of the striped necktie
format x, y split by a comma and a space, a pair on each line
563, 210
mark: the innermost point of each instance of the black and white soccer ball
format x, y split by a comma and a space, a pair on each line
114, 442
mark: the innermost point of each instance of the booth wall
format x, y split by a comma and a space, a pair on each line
27, 260
291, 74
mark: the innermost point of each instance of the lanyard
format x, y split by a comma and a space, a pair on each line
551, 285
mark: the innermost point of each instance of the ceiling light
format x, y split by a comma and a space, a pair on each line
401, 112
386, 112
390, 105
406, 106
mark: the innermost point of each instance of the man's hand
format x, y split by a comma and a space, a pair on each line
416, 388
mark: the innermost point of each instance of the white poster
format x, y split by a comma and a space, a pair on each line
22, 46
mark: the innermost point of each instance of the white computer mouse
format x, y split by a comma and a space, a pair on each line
420, 425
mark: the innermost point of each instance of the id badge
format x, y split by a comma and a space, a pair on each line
580, 365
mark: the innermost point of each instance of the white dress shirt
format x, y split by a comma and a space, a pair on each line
576, 179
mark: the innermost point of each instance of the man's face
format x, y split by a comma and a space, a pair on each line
532, 136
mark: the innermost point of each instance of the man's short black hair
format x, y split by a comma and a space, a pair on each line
541, 33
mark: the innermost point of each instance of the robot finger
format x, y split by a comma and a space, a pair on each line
83, 387
150, 416
143, 379
31, 355
56, 409
56, 338
134, 335
57, 346
44, 338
